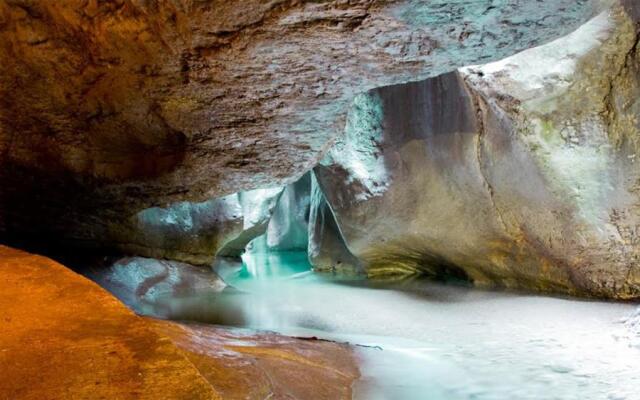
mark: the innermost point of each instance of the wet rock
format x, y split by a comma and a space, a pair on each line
520, 173
66, 338
288, 226
327, 250
149, 286
241, 364
108, 108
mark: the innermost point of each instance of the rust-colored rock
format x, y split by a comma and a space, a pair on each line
63, 337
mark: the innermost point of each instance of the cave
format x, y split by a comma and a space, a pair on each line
366, 199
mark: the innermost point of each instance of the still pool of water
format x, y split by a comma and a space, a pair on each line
421, 340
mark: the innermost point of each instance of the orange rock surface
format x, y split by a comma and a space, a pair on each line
64, 337
246, 365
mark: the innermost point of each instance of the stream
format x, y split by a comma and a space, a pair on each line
422, 340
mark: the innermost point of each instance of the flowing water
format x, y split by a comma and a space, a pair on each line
421, 340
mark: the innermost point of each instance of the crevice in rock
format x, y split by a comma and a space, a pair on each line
478, 102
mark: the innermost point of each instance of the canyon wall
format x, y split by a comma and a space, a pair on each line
110, 107
184, 131
520, 173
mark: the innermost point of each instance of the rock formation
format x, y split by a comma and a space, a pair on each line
520, 173
288, 227
109, 107
327, 250
148, 285
131, 125
63, 337
241, 364
196, 232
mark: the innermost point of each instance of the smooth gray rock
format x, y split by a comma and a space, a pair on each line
520, 173
196, 232
288, 226
151, 287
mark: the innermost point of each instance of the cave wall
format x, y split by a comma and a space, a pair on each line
154, 129
111, 107
196, 233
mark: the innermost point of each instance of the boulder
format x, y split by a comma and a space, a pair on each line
149, 286
520, 173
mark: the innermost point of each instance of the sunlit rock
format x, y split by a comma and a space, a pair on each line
63, 337
520, 173
150, 286
108, 108
197, 232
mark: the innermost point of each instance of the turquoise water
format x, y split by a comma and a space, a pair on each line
420, 340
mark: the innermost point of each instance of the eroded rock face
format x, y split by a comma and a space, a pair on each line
520, 173
107, 108
288, 226
149, 286
196, 232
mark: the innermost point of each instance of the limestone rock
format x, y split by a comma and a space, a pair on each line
107, 108
520, 173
